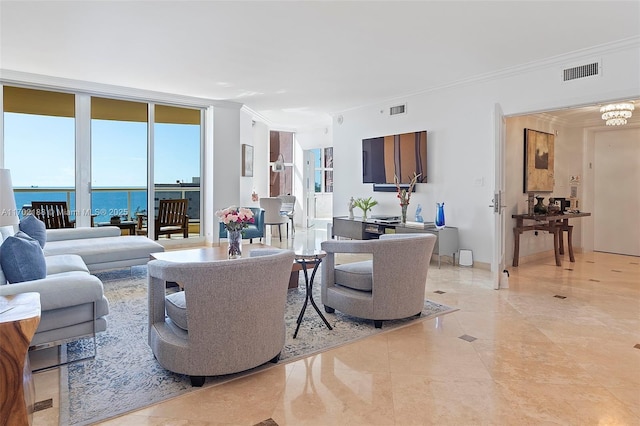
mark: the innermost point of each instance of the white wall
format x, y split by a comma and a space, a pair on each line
460, 137
316, 137
226, 161
260, 181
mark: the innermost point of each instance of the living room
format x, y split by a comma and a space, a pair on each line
459, 117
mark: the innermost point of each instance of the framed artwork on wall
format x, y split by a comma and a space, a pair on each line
247, 160
538, 161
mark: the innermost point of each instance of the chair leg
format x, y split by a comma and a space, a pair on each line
377, 323
279, 233
197, 381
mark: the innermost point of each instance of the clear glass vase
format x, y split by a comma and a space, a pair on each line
234, 238
404, 213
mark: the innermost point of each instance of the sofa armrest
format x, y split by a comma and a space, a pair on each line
60, 290
82, 233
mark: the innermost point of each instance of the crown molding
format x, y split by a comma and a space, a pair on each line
255, 115
39, 81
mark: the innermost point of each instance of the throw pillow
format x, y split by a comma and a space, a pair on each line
35, 228
22, 259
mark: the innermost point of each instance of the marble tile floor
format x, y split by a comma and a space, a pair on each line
529, 358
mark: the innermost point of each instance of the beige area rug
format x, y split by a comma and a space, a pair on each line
125, 376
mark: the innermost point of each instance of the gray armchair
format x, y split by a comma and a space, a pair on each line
390, 286
229, 318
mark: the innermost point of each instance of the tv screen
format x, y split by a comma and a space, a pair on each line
400, 155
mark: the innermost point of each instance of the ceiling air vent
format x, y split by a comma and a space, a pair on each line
581, 71
398, 109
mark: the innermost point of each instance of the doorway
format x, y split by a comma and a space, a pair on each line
318, 178
616, 198
580, 127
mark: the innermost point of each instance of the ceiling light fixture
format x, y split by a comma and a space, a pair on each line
617, 114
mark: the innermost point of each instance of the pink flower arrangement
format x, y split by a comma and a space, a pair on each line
235, 218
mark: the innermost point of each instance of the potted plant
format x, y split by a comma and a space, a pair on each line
364, 204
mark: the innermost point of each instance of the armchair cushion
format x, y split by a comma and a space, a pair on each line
176, 306
22, 259
357, 275
35, 228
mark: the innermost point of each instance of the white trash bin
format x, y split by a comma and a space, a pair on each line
466, 258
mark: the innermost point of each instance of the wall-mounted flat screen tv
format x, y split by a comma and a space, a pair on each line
400, 155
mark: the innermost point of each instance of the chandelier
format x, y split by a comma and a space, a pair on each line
617, 114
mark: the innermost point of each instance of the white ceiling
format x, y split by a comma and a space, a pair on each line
296, 63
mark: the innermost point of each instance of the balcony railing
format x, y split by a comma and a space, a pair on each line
106, 202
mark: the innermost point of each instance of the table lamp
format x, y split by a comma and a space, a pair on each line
8, 211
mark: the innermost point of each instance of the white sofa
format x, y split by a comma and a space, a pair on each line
70, 297
101, 248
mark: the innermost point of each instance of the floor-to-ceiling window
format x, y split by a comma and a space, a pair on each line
177, 158
118, 159
39, 145
48, 158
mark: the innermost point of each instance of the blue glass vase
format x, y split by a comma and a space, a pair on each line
439, 222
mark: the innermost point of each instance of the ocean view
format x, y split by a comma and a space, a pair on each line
104, 204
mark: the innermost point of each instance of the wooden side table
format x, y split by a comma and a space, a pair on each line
19, 319
555, 224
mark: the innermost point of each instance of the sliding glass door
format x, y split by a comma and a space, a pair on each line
118, 160
177, 159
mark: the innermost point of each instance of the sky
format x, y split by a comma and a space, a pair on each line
39, 151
